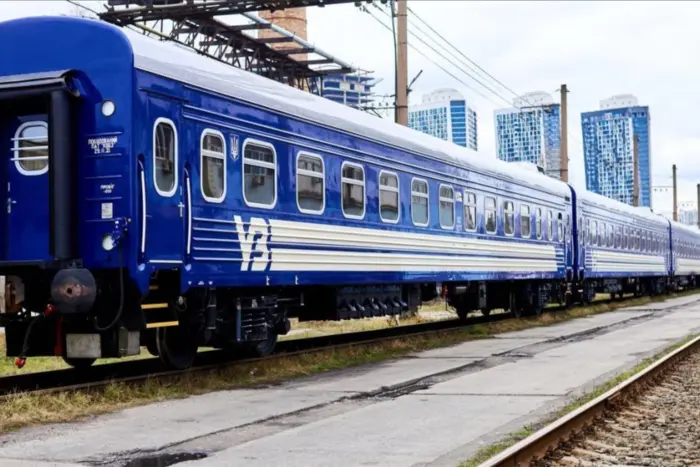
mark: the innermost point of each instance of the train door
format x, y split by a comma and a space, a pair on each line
165, 209
26, 145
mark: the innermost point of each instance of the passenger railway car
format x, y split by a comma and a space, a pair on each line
159, 198
625, 249
685, 242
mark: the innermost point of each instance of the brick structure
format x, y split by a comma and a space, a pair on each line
291, 19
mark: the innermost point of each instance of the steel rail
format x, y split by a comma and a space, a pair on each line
545, 441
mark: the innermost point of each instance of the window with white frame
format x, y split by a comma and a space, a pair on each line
508, 218
525, 221
447, 207
538, 223
560, 227
165, 157
31, 148
419, 202
213, 160
259, 174
388, 197
469, 210
311, 183
550, 226
490, 214
353, 190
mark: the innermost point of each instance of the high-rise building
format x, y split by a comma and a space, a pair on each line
530, 132
445, 114
354, 89
608, 149
688, 216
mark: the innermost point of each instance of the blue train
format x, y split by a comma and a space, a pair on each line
158, 198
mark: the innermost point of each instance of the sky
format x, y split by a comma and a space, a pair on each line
598, 49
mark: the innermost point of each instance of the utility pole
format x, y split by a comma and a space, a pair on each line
564, 128
635, 167
402, 63
698, 205
675, 195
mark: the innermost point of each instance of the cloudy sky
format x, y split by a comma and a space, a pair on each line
597, 48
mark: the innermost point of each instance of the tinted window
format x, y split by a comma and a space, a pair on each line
525, 220
388, 197
419, 202
447, 207
353, 180
310, 184
259, 172
508, 218
538, 223
213, 166
469, 210
490, 214
165, 154
32, 147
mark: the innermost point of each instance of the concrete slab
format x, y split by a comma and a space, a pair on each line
477, 349
159, 425
410, 430
372, 378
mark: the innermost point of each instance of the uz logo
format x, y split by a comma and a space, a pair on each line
253, 241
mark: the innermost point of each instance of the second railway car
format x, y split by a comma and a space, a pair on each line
159, 198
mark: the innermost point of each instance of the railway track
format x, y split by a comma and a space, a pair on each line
141, 370
651, 419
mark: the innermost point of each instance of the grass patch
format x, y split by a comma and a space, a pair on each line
22, 410
511, 439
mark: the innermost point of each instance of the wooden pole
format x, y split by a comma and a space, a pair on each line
564, 128
402, 63
675, 195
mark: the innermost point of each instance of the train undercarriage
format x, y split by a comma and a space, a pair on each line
85, 315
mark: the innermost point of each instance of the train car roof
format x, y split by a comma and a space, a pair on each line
181, 64
691, 229
617, 206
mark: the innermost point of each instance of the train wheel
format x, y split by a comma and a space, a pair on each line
261, 349
152, 342
79, 363
177, 346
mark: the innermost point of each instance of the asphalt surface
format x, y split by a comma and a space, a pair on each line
432, 408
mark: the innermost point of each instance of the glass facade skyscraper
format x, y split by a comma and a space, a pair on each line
353, 90
530, 132
608, 149
446, 115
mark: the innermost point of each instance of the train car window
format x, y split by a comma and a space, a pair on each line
593, 233
311, 183
353, 190
525, 221
618, 237
581, 231
603, 234
259, 174
213, 162
538, 223
469, 211
388, 197
447, 207
560, 227
31, 148
643, 241
625, 234
419, 202
490, 214
550, 226
508, 218
588, 233
567, 228
165, 157
611, 235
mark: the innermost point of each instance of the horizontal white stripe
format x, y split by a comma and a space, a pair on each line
324, 235
319, 260
687, 266
615, 261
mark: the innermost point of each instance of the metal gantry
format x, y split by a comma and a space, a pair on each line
195, 24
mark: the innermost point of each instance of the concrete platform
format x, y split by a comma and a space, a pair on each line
430, 408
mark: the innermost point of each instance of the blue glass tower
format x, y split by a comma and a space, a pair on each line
608, 149
530, 132
446, 115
